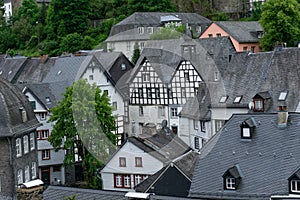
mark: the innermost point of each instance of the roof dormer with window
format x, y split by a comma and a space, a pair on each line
262, 102
294, 182
248, 128
232, 178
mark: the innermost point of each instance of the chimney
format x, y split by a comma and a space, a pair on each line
43, 58
282, 116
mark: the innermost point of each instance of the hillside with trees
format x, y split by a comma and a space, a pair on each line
66, 27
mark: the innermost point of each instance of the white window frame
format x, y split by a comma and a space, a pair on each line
238, 99
27, 173
33, 170
174, 112
19, 147
141, 111
230, 183
196, 124
216, 76
138, 162
295, 186
32, 141
197, 142
20, 176
246, 132
25, 144
43, 116
46, 154
146, 77
282, 96
118, 179
138, 179
127, 181
141, 30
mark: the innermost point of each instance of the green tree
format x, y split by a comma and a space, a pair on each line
83, 119
29, 10
71, 43
136, 53
281, 23
72, 15
167, 33
150, 6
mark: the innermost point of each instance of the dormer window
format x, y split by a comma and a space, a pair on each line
261, 102
294, 182
123, 67
247, 128
141, 30
232, 178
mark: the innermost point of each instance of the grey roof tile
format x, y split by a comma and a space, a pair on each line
266, 161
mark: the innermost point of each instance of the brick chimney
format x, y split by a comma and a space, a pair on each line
282, 116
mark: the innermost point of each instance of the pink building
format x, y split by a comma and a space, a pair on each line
244, 35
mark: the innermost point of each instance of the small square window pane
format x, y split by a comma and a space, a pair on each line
246, 132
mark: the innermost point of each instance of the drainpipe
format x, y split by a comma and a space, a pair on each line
11, 163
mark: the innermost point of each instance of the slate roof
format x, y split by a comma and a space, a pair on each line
35, 70
153, 19
185, 164
66, 68
10, 67
60, 193
12, 102
243, 32
266, 161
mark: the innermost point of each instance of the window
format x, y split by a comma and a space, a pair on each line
27, 173
105, 92
196, 125
183, 92
138, 162
141, 30
170, 93
216, 76
137, 179
295, 186
140, 91
33, 170
25, 143
258, 105
252, 49
42, 115
20, 176
197, 143
114, 105
202, 124
149, 93
210, 35
122, 162
146, 77
32, 141
48, 100
223, 99
218, 34
237, 99
219, 124
91, 77
174, 112
127, 182
33, 104
161, 111
141, 111
245, 48
18, 147
123, 67
43, 134
142, 45
128, 46
46, 154
246, 132
118, 181
186, 76
230, 183
150, 30
282, 96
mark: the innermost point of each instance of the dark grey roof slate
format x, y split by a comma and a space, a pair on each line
241, 31
12, 102
60, 193
152, 19
10, 67
266, 161
66, 68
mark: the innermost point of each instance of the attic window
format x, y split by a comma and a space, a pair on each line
232, 177
282, 96
223, 99
216, 76
141, 30
123, 66
258, 105
48, 100
247, 128
294, 182
237, 99
59, 72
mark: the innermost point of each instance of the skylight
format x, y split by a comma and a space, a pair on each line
237, 99
223, 99
59, 72
282, 96
0, 72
